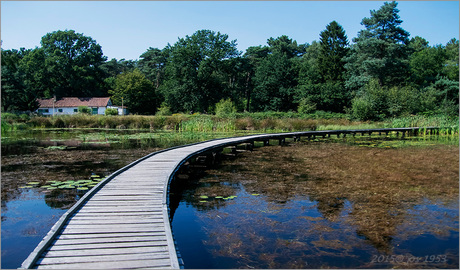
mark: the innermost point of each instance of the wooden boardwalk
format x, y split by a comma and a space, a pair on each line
123, 222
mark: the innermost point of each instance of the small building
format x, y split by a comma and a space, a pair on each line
122, 110
69, 105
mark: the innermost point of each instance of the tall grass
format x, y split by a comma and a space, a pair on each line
263, 122
448, 125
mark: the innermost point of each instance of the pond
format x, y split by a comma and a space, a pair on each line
344, 203
44, 172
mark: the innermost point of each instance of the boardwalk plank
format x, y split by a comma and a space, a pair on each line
110, 240
110, 235
132, 264
105, 258
126, 214
158, 243
112, 230
119, 222
105, 251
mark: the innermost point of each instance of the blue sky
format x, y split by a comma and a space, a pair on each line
126, 29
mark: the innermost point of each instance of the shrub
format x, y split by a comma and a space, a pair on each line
41, 121
59, 123
225, 107
306, 106
164, 110
84, 110
111, 111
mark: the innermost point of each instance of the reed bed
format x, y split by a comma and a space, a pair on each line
263, 122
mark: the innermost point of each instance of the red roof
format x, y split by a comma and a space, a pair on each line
75, 102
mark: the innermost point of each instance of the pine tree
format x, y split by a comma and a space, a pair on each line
334, 47
380, 50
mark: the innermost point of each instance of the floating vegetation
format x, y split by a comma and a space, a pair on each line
204, 197
60, 147
82, 184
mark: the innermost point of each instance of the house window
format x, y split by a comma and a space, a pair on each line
94, 111
75, 110
59, 110
43, 111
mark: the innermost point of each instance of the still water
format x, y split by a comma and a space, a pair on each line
359, 204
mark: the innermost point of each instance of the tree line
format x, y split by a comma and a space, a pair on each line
382, 73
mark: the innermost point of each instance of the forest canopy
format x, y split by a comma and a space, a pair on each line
381, 73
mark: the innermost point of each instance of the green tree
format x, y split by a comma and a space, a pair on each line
427, 63
16, 95
72, 65
152, 64
334, 47
251, 59
451, 66
195, 71
276, 76
380, 50
137, 92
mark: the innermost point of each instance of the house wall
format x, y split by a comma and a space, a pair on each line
120, 110
68, 110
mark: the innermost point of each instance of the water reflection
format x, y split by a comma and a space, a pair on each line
322, 205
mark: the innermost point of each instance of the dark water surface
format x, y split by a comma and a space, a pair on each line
363, 204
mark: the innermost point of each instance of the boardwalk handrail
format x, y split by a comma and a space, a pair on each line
47, 241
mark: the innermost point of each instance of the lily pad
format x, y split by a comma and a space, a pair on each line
255, 194
82, 188
33, 183
203, 201
204, 197
52, 188
219, 197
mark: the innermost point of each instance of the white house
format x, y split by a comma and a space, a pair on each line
69, 105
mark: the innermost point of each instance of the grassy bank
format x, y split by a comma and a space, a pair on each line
263, 122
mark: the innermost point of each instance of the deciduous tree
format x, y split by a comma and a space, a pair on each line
137, 92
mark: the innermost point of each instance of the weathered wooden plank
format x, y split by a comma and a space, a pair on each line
130, 226
121, 203
131, 264
158, 243
110, 240
117, 217
127, 214
121, 197
119, 221
104, 251
96, 208
110, 235
104, 258
111, 230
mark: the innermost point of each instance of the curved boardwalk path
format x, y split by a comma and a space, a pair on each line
123, 222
